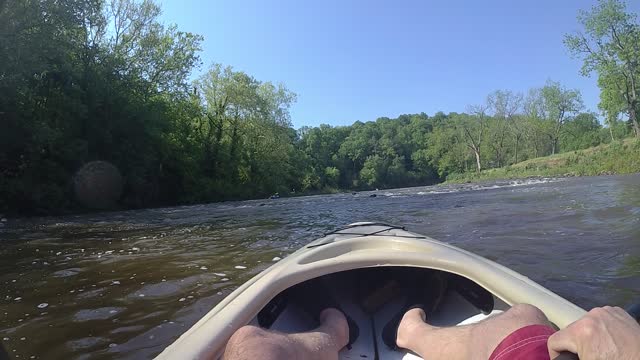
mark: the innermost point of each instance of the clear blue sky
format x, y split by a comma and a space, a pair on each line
360, 60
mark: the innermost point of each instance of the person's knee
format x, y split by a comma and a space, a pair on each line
246, 333
252, 342
528, 314
488, 334
244, 338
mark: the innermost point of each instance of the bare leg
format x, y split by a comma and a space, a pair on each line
323, 343
476, 341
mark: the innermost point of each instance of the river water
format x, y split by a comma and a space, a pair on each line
126, 284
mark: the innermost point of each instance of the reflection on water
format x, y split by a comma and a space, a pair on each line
126, 284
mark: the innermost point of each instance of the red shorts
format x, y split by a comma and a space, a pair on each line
527, 343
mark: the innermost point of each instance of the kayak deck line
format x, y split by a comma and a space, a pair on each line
361, 265
385, 227
364, 224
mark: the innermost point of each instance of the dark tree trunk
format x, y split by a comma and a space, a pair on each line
517, 143
634, 120
234, 143
554, 143
216, 144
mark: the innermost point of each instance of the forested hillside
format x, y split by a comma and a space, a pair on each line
88, 80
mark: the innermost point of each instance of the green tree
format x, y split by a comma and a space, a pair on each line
535, 126
580, 132
244, 133
446, 151
69, 96
609, 46
473, 131
373, 171
505, 105
332, 175
559, 103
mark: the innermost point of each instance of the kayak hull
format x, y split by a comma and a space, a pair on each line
364, 246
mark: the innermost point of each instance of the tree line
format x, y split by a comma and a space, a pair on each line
421, 149
87, 80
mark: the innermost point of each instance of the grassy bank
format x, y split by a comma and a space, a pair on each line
619, 157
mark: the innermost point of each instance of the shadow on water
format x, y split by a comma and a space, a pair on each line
126, 284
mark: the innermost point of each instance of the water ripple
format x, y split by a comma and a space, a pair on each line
126, 284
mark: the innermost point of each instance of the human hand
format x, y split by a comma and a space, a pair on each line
606, 333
